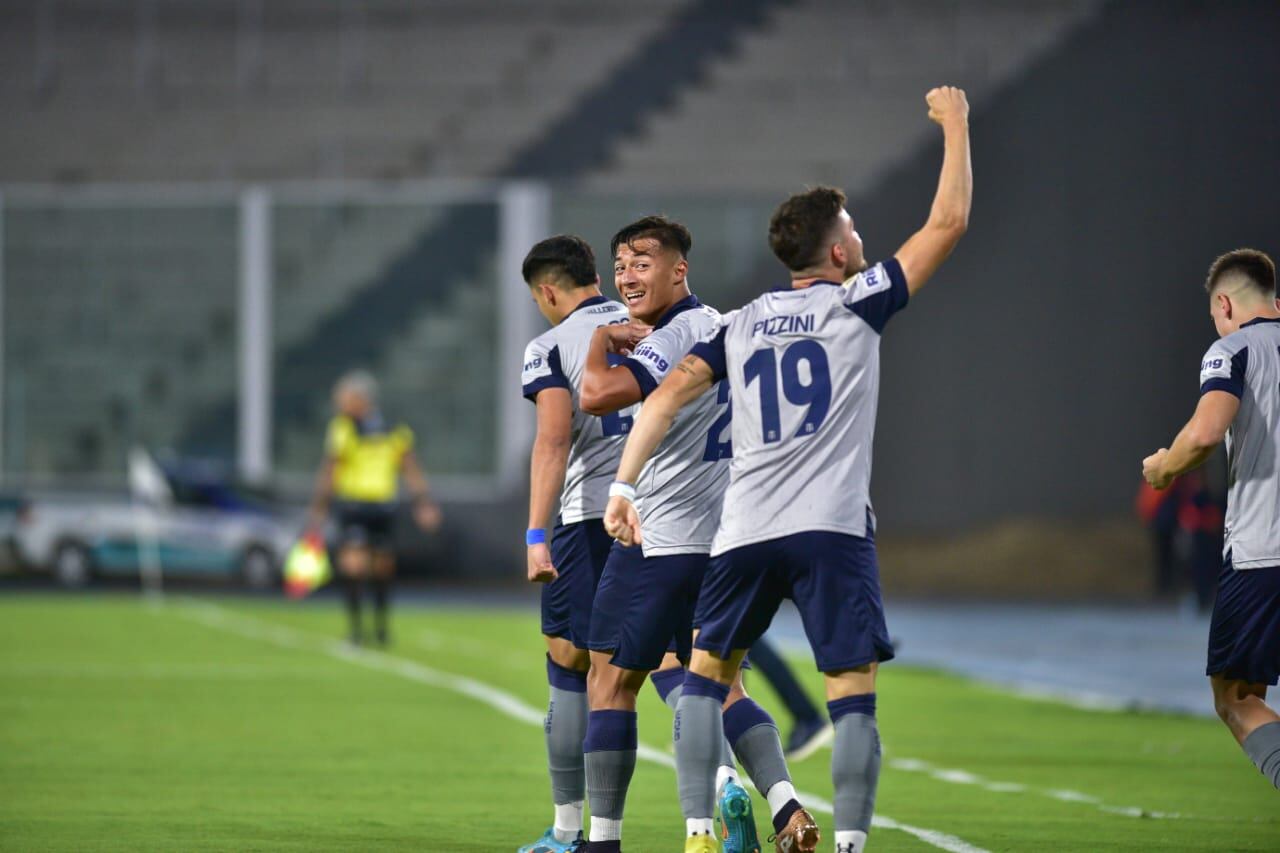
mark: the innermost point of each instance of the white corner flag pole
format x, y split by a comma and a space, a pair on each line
150, 493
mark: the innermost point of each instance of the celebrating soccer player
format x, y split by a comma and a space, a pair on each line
1240, 401
803, 368
574, 455
647, 595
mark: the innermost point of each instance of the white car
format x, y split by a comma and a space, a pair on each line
186, 522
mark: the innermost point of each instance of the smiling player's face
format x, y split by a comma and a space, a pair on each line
649, 278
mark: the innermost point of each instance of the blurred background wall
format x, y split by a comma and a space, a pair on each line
395, 155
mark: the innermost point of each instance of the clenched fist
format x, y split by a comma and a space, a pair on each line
621, 338
947, 104
622, 522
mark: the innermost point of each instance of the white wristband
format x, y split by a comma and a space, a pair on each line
619, 489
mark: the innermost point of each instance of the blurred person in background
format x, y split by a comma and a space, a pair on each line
358, 483
1240, 402
1185, 522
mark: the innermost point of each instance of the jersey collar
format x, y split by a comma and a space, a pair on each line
686, 304
587, 303
1256, 320
813, 283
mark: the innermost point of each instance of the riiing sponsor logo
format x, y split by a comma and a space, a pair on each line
1211, 364
784, 325
647, 352
533, 365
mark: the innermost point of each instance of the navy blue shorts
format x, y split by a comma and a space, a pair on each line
578, 551
832, 577
1244, 634
644, 607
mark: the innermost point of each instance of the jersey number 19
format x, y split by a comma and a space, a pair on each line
815, 394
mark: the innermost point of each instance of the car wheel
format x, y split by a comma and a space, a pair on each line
72, 565
258, 568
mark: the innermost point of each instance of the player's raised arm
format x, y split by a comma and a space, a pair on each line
607, 388
689, 381
921, 255
546, 472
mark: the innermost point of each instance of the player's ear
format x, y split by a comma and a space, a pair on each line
839, 257
682, 268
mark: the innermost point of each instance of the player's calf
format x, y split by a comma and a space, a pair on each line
609, 748
565, 728
1242, 706
855, 768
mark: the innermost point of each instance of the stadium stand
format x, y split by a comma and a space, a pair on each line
601, 93
193, 90
769, 116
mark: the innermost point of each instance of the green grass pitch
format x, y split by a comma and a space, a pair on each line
235, 724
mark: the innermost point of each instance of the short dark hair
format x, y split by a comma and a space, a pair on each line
566, 256
801, 226
669, 234
1250, 263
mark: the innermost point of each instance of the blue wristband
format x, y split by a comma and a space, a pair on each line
535, 536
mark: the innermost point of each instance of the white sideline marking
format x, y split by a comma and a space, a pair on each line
214, 616
964, 777
192, 669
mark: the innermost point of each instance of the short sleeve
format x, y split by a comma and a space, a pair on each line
656, 355
403, 436
712, 352
876, 294
541, 369
1221, 370
341, 437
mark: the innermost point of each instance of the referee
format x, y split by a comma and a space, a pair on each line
365, 457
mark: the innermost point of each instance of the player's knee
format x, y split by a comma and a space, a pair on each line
1227, 696
707, 665
565, 654
611, 688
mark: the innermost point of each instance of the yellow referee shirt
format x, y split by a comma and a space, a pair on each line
366, 466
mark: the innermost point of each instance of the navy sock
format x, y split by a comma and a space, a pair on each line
610, 754
783, 817
666, 680
855, 761
565, 728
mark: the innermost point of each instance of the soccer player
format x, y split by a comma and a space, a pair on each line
646, 596
573, 458
803, 366
1240, 401
364, 457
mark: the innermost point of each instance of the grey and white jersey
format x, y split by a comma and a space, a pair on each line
804, 373
1246, 363
555, 359
680, 490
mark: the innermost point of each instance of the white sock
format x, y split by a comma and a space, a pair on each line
779, 795
568, 822
698, 826
724, 774
850, 841
604, 829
